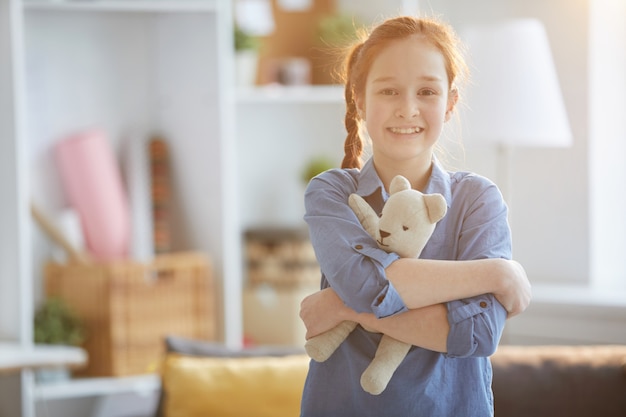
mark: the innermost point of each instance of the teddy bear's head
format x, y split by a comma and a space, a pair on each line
408, 219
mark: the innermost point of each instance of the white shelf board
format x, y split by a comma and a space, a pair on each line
291, 94
87, 387
123, 5
15, 357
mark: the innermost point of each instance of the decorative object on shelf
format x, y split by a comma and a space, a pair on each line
93, 185
72, 242
315, 166
161, 195
294, 35
295, 5
281, 270
129, 307
281, 256
246, 57
294, 71
138, 182
254, 17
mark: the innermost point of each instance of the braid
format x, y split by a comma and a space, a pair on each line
353, 146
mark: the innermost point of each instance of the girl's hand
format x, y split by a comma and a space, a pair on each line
322, 311
516, 292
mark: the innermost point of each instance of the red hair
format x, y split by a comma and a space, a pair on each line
361, 56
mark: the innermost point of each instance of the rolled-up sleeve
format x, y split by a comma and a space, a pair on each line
476, 324
350, 260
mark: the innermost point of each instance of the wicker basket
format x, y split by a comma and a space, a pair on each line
280, 257
129, 307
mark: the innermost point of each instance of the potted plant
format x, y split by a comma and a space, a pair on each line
246, 57
315, 165
56, 324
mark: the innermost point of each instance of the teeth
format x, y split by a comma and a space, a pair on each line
405, 131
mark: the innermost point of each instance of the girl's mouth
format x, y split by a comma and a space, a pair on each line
405, 130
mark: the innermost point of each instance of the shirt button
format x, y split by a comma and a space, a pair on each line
358, 247
483, 304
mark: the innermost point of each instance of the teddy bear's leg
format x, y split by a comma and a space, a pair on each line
389, 355
319, 348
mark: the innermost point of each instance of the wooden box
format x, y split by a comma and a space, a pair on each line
129, 307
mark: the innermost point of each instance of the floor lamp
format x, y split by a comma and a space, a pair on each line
514, 98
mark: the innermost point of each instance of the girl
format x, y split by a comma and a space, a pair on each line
400, 84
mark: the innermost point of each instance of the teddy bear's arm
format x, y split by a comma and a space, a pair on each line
319, 348
365, 213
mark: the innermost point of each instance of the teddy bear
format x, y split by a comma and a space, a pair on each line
407, 221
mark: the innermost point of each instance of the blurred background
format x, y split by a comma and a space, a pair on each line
243, 99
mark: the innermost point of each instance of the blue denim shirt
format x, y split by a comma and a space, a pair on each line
427, 383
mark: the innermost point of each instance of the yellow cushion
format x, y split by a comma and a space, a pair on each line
225, 387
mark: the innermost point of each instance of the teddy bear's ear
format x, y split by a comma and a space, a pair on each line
399, 183
436, 205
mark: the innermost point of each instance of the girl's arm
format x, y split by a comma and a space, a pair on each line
424, 282
426, 327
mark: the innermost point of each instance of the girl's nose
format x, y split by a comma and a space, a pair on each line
408, 108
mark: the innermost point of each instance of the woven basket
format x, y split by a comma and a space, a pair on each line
280, 257
129, 307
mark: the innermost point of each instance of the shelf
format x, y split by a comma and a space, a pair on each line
87, 387
14, 357
123, 6
296, 94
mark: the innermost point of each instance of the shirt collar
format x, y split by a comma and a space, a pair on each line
369, 181
439, 181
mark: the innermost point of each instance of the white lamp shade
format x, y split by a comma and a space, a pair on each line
514, 97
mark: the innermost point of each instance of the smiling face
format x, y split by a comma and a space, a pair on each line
407, 100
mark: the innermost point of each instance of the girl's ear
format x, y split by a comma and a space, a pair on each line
453, 98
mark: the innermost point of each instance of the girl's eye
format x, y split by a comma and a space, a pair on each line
427, 92
387, 92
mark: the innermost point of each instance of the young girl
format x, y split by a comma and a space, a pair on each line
451, 304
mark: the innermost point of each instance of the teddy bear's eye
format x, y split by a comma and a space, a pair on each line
405, 228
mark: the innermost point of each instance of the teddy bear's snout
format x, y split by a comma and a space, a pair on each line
384, 234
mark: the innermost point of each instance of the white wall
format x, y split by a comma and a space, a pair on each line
607, 143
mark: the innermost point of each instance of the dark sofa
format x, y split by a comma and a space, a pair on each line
568, 381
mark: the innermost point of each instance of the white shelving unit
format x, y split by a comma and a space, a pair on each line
133, 67
275, 94
280, 130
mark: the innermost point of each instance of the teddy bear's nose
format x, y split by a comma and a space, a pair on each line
384, 234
